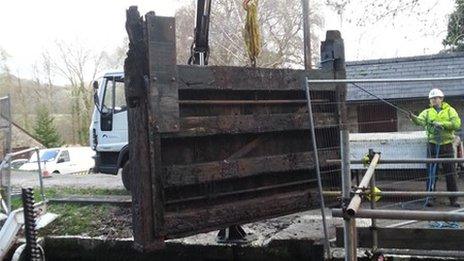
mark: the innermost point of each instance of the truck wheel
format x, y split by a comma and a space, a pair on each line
125, 175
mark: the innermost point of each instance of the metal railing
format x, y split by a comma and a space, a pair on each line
7, 161
351, 197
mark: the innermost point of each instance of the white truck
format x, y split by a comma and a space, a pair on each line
108, 129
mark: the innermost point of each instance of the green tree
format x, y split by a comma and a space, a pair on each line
455, 38
45, 129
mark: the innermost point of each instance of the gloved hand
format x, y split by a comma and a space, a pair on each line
412, 116
437, 125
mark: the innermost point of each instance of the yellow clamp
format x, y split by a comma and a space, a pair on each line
366, 160
376, 197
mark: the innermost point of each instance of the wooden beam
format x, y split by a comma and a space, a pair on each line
212, 217
122, 200
136, 68
409, 238
248, 147
244, 102
163, 72
179, 175
163, 109
249, 79
253, 123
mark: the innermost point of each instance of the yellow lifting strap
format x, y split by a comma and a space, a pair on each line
251, 34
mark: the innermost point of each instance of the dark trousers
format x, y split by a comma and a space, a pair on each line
449, 169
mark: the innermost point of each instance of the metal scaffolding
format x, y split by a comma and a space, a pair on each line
352, 196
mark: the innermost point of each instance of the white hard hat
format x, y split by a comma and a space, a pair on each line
436, 93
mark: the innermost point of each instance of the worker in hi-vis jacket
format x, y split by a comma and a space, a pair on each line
440, 122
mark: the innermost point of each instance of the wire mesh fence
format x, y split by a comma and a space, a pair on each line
5, 143
396, 118
383, 124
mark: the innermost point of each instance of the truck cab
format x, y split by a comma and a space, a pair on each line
108, 128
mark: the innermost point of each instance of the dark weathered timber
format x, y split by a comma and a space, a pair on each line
246, 79
163, 109
241, 192
257, 123
242, 102
250, 146
333, 58
239, 168
135, 81
163, 72
219, 143
212, 217
409, 238
91, 200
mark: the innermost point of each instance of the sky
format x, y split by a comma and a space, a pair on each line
27, 27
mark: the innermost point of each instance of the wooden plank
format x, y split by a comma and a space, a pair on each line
248, 79
163, 110
91, 200
248, 147
244, 102
213, 217
409, 238
163, 72
179, 175
253, 123
135, 68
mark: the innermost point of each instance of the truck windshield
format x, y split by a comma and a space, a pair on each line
114, 99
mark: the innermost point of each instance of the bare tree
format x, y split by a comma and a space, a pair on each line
281, 28
5, 74
374, 12
4, 56
115, 59
47, 71
79, 65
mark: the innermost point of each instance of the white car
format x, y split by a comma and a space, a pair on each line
62, 160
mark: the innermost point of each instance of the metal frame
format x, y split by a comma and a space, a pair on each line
387, 80
11, 227
318, 173
353, 211
404, 161
7, 159
402, 193
402, 215
355, 202
7, 149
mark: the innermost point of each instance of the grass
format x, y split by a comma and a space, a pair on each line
76, 220
61, 192
86, 220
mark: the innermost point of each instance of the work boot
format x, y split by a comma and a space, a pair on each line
429, 203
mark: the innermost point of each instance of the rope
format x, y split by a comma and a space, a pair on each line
382, 99
251, 33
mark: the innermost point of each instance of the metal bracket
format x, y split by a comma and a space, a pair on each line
233, 235
344, 202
